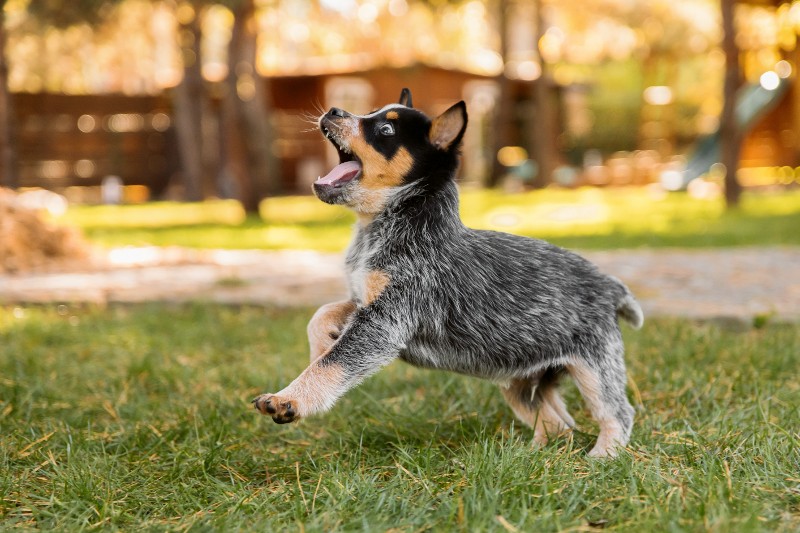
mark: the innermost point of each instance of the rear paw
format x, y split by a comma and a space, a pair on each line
542, 437
605, 453
281, 410
607, 448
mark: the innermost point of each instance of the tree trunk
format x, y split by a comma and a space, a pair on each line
502, 115
250, 134
730, 134
544, 124
188, 105
8, 145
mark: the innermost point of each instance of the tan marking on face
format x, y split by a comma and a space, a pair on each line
392, 115
316, 389
377, 171
375, 283
378, 177
326, 326
378, 174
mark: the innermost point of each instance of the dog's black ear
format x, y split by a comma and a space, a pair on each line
405, 97
448, 128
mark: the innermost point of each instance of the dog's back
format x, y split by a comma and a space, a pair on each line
489, 303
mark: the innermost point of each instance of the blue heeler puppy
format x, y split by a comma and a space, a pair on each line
428, 290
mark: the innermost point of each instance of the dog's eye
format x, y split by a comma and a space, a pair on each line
387, 129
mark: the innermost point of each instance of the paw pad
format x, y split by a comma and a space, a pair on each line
282, 411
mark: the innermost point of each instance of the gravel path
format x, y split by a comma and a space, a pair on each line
733, 283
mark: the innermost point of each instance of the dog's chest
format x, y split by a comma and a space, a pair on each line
357, 280
358, 267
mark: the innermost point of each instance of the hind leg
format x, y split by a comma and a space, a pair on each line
537, 402
602, 384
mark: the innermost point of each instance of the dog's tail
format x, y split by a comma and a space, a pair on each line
627, 307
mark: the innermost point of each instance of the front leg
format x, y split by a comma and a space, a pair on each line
326, 326
369, 343
313, 391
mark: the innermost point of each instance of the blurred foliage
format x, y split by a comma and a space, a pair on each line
583, 218
612, 49
63, 14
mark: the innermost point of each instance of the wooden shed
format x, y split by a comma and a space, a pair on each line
68, 140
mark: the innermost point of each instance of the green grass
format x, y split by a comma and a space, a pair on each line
584, 218
138, 418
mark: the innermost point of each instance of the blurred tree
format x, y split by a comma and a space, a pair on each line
245, 108
246, 140
190, 103
248, 134
657, 40
502, 118
540, 117
63, 14
730, 134
189, 97
53, 12
8, 146
545, 149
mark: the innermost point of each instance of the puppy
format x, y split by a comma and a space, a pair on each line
428, 290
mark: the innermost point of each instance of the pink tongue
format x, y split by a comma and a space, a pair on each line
341, 173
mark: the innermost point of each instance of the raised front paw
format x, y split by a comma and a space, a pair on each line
282, 410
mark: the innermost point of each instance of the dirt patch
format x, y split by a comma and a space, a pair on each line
28, 242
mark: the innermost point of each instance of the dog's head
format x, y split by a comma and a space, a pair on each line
386, 150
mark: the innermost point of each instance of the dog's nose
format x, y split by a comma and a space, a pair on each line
336, 112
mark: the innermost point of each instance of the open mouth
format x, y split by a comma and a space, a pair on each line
349, 167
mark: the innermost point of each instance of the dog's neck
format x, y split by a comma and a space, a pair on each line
417, 209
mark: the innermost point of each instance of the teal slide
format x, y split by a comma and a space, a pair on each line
752, 103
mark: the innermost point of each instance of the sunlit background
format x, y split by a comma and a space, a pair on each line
162, 99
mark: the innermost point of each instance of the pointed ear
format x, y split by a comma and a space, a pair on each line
448, 128
405, 97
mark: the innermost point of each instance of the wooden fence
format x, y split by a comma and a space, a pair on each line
68, 140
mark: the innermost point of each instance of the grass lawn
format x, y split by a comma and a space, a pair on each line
583, 218
138, 418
